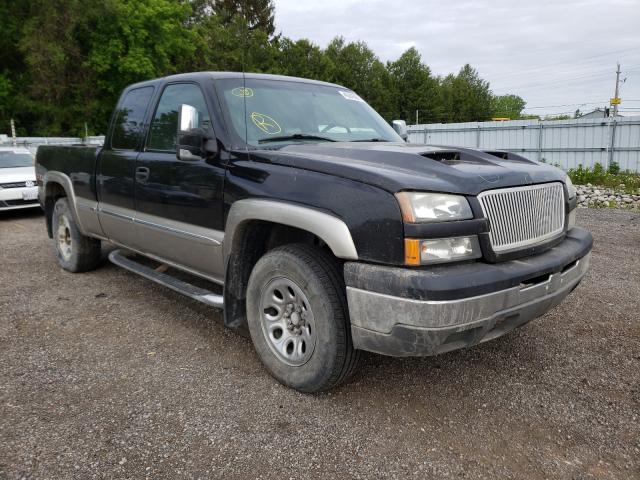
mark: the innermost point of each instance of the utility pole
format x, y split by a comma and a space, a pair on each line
417, 117
616, 99
13, 134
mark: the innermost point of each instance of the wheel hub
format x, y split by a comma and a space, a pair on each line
287, 321
64, 237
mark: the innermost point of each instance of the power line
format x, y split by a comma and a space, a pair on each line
580, 78
568, 105
574, 79
528, 71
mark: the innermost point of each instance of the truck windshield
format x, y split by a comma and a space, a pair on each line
13, 159
273, 112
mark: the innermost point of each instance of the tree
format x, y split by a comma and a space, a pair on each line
51, 60
508, 106
74, 58
412, 87
65, 62
465, 97
562, 116
355, 66
302, 59
254, 14
232, 47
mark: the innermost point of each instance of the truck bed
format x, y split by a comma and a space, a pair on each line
78, 162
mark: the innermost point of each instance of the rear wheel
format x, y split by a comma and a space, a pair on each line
75, 251
298, 320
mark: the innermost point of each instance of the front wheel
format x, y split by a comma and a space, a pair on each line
298, 320
75, 251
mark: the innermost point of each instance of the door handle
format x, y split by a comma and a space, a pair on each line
142, 174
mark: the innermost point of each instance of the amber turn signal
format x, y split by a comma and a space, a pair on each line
411, 251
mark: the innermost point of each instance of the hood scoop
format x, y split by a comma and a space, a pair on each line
503, 155
464, 155
451, 157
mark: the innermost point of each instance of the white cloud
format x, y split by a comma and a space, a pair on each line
550, 52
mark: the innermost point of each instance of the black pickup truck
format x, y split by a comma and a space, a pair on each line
294, 206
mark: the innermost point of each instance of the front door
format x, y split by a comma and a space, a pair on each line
179, 202
116, 168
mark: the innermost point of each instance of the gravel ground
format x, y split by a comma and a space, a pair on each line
107, 375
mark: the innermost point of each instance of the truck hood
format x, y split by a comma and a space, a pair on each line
403, 166
17, 174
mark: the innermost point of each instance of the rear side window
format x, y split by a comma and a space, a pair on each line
127, 127
164, 126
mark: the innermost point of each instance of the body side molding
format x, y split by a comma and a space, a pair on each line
332, 230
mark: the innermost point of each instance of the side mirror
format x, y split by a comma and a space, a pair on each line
400, 126
191, 142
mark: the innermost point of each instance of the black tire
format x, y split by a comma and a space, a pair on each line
318, 276
75, 251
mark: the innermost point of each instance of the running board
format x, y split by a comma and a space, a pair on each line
200, 294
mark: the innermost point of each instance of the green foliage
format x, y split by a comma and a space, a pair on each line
355, 66
614, 168
301, 59
259, 14
413, 88
465, 97
626, 181
507, 106
65, 62
558, 117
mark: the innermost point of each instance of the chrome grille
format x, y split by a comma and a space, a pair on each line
14, 185
523, 216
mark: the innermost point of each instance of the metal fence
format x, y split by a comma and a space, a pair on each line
567, 143
32, 143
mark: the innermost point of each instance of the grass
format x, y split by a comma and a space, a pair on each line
626, 181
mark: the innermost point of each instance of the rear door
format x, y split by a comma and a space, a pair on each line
179, 202
116, 167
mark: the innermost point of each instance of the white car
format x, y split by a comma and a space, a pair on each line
18, 187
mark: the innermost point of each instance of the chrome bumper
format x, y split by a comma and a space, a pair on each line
398, 326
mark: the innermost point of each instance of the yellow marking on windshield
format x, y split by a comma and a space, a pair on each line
242, 92
265, 123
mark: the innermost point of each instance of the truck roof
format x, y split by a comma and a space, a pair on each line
222, 75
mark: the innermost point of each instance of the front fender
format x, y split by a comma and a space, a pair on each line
333, 231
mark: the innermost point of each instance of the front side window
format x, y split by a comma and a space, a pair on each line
163, 130
128, 124
279, 111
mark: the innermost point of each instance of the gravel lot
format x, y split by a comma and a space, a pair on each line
107, 375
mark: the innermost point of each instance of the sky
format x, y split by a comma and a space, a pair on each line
558, 55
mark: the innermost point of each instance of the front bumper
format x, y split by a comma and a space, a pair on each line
13, 198
402, 312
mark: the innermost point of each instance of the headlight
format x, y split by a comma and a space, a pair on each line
418, 207
441, 250
570, 188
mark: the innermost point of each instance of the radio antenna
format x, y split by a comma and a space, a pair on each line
244, 33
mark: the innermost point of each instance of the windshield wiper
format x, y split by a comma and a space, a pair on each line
296, 136
378, 139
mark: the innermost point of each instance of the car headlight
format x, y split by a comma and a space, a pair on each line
420, 207
570, 188
441, 250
